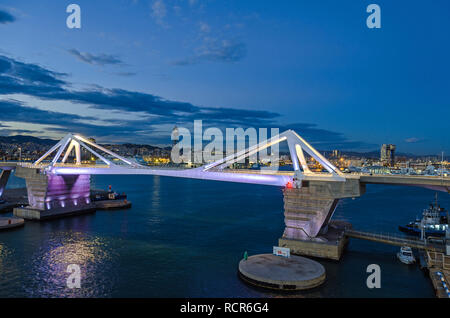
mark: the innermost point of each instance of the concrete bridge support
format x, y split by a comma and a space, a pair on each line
308, 211
4, 177
54, 195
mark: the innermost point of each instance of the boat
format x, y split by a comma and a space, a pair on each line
110, 195
434, 222
406, 255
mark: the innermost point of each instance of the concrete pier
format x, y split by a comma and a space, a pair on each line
4, 177
308, 211
112, 204
439, 263
10, 223
330, 245
275, 272
53, 195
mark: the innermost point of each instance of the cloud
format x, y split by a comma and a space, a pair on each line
12, 132
324, 139
204, 27
126, 74
413, 140
100, 59
17, 111
30, 79
159, 12
214, 50
6, 17
155, 116
38, 82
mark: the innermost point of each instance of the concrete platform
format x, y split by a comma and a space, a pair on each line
112, 204
329, 245
275, 272
11, 222
30, 213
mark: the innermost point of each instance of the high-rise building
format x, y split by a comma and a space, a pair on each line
387, 155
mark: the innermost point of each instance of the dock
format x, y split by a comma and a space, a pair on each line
10, 223
18, 199
391, 239
439, 266
432, 256
112, 204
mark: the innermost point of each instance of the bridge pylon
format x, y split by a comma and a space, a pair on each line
76, 142
297, 148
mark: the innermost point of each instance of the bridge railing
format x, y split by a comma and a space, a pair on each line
438, 259
389, 237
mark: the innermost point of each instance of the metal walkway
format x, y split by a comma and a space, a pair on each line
394, 240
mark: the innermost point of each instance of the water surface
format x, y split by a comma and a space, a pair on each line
184, 238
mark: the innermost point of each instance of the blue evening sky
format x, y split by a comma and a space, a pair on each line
138, 67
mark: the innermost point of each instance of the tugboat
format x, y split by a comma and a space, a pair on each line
110, 195
406, 255
110, 200
434, 222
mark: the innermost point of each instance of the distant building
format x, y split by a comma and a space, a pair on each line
387, 155
86, 156
336, 153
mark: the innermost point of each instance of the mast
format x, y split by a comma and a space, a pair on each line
442, 166
436, 199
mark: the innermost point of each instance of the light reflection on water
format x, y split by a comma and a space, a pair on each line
49, 263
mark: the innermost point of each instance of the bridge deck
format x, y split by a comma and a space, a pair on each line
262, 176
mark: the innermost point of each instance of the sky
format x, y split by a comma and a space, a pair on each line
137, 68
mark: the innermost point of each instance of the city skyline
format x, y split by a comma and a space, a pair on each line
324, 74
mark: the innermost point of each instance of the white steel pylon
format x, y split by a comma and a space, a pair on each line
296, 145
71, 141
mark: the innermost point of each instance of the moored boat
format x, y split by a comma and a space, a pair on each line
406, 255
434, 222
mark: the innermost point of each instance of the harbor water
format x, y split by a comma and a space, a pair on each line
184, 238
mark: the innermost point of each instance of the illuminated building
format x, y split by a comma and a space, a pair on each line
387, 155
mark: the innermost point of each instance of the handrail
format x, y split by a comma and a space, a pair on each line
394, 239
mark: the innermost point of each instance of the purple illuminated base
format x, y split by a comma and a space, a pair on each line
59, 192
